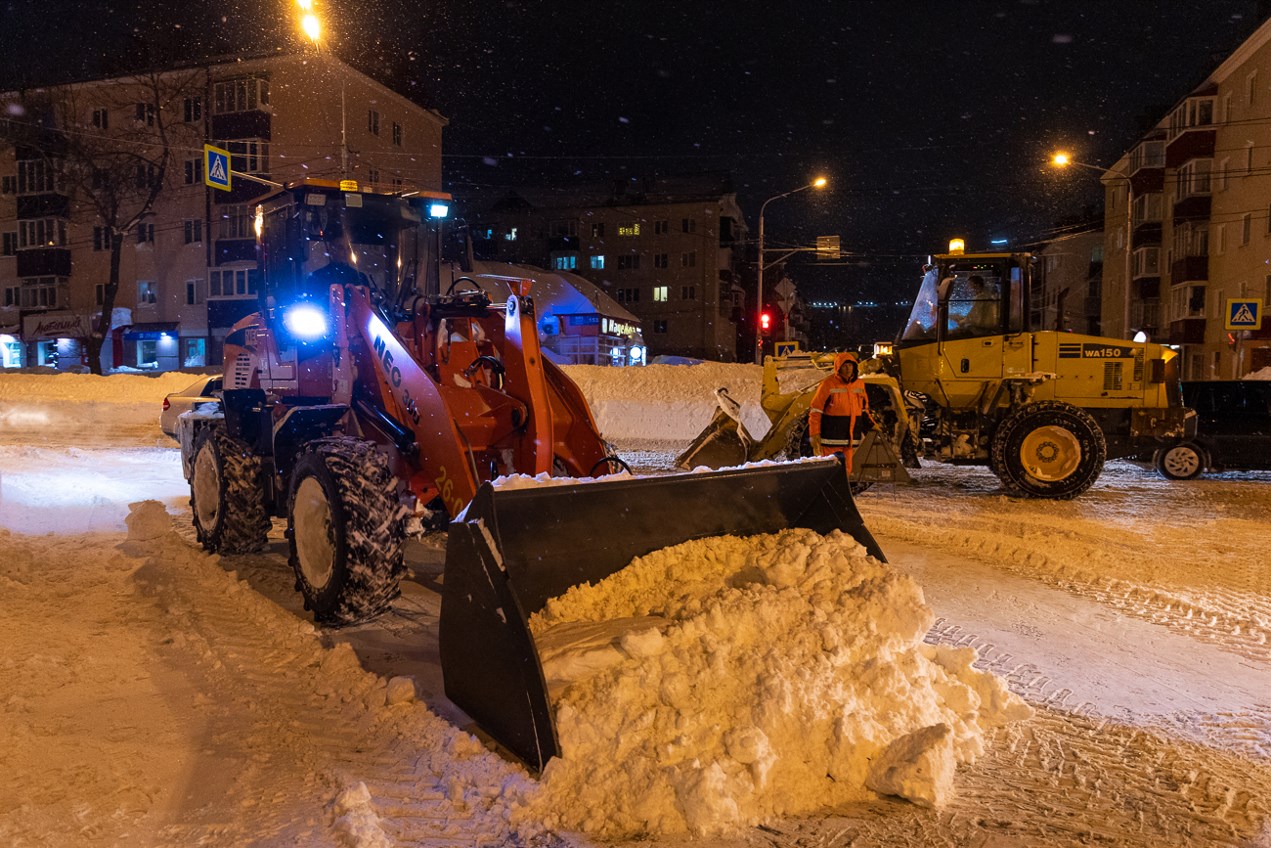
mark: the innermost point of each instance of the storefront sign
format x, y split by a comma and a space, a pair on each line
55, 325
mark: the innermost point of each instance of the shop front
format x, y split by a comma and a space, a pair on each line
55, 340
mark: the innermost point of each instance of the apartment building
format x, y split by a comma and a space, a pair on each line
1188, 221
667, 249
1067, 283
187, 270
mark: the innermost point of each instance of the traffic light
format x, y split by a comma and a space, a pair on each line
765, 322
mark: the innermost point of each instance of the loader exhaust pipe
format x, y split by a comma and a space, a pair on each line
514, 549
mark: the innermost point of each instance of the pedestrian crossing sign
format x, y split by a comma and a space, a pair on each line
216, 171
1244, 314
785, 348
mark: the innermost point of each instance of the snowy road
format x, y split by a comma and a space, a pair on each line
158, 696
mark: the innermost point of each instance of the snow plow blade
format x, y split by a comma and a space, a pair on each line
514, 549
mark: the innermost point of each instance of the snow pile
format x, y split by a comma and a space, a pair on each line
85, 405
1260, 374
726, 681
667, 402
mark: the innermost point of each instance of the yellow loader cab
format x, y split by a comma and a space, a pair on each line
1043, 409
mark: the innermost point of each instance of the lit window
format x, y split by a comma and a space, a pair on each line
568, 262
596, 262
628, 230
147, 292
660, 294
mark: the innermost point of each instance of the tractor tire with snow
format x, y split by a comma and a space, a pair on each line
227, 497
1048, 449
799, 444
346, 527
1180, 462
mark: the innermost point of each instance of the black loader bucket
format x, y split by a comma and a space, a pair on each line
514, 549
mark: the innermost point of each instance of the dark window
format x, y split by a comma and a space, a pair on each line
9, 184
661, 260
689, 260
193, 109
193, 171
598, 230
145, 233
145, 114
193, 231
10, 244
689, 225
688, 292
629, 262
101, 240
660, 228
101, 119
659, 326
397, 134
373, 122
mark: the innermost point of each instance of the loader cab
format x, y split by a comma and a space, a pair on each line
316, 233
965, 296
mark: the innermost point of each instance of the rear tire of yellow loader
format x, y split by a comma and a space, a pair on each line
1048, 449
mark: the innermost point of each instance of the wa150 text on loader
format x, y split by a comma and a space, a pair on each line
359, 401
971, 381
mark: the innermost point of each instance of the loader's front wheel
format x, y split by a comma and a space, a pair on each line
227, 496
1049, 449
346, 528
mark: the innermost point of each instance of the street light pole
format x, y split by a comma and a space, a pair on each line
1063, 160
819, 182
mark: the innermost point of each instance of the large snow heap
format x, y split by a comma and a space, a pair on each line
726, 681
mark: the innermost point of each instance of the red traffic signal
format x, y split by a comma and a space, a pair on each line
765, 322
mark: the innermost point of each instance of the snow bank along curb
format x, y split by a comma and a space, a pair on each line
723, 682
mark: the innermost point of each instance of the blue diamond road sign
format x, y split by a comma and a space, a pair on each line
216, 172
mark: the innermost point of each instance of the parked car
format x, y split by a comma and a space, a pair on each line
1233, 430
203, 390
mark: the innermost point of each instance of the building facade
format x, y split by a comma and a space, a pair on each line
668, 250
1067, 284
188, 268
1188, 221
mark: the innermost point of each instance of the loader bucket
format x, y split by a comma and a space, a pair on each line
514, 549
720, 445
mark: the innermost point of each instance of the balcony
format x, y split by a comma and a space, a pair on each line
235, 250
254, 123
45, 205
1192, 143
1187, 331
44, 261
1189, 269
1193, 208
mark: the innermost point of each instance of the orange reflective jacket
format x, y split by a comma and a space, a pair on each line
839, 399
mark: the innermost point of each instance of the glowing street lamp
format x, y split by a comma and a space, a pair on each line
819, 182
309, 23
1063, 160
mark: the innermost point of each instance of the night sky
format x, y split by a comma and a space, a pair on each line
931, 119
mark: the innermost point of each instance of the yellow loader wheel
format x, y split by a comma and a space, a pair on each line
1048, 449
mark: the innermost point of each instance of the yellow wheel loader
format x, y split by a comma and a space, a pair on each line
969, 381
361, 401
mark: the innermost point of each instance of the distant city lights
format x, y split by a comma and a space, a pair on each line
860, 304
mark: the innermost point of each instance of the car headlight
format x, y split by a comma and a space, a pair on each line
305, 322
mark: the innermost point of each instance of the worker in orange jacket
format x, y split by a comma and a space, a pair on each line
839, 413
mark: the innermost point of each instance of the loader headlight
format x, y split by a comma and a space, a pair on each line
305, 322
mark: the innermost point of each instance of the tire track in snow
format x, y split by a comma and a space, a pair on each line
1245, 731
295, 722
